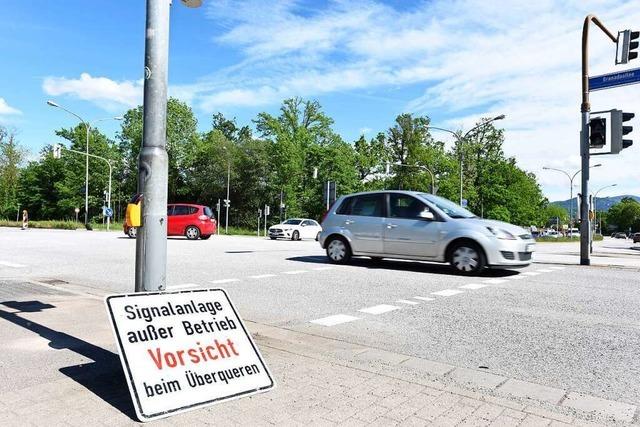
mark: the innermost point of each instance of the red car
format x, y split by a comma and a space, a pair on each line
184, 219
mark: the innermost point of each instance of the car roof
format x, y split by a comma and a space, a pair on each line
186, 204
413, 193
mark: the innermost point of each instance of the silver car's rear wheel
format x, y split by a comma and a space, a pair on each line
467, 258
338, 251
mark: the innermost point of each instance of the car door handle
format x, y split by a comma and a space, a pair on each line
349, 221
392, 225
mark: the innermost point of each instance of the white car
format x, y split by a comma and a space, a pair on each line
296, 229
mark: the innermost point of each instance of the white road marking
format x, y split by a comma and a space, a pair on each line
531, 273
262, 276
424, 298
183, 286
11, 264
334, 320
322, 268
494, 281
405, 301
545, 270
294, 272
224, 281
379, 309
472, 286
516, 277
556, 268
447, 292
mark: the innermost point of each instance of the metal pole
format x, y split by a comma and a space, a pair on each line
226, 220
328, 190
571, 206
109, 196
218, 211
151, 243
86, 181
265, 220
281, 191
259, 215
460, 173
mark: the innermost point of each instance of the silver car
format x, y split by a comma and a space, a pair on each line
421, 226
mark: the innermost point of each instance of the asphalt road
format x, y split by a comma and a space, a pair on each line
569, 327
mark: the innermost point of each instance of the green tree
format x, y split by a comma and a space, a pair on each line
12, 155
181, 134
625, 215
299, 140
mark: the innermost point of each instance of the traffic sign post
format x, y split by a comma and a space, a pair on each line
266, 214
259, 217
184, 350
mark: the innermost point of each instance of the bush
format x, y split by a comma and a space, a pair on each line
61, 225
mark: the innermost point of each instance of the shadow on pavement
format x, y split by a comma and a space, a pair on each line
390, 264
103, 377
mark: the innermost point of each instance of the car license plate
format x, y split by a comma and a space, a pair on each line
530, 247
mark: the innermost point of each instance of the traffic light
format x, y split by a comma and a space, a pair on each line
226, 203
627, 46
619, 130
597, 132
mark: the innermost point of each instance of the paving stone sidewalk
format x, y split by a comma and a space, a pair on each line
59, 367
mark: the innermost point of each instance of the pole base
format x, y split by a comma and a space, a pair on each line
585, 261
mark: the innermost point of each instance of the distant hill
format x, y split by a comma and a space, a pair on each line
602, 204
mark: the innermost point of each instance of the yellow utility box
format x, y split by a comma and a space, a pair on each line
133, 216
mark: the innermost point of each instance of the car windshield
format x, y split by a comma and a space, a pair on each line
293, 221
447, 206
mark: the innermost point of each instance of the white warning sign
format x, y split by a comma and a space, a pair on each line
184, 350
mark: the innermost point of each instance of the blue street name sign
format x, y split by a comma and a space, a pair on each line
621, 78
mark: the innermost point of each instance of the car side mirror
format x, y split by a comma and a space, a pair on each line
427, 215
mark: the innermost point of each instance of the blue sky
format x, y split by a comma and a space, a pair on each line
365, 61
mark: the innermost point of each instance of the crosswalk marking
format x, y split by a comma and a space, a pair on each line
472, 286
447, 292
294, 272
494, 281
516, 277
322, 268
531, 273
224, 281
11, 264
545, 270
262, 276
424, 298
334, 320
405, 301
379, 309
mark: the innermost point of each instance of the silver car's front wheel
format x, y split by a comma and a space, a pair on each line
467, 258
338, 251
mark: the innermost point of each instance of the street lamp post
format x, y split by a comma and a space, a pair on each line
88, 127
463, 138
433, 181
595, 209
571, 178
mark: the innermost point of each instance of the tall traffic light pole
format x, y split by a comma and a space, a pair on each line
585, 108
151, 242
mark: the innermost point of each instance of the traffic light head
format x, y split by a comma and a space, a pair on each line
627, 46
597, 132
619, 130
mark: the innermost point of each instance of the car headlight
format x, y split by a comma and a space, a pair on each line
501, 233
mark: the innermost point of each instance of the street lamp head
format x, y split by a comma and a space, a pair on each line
52, 104
597, 165
500, 117
545, 168
192, 3
118, 118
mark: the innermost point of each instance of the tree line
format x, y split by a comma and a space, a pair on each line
274, 157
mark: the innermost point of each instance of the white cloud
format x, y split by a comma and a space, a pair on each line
6, 109
106, 93
474, 58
